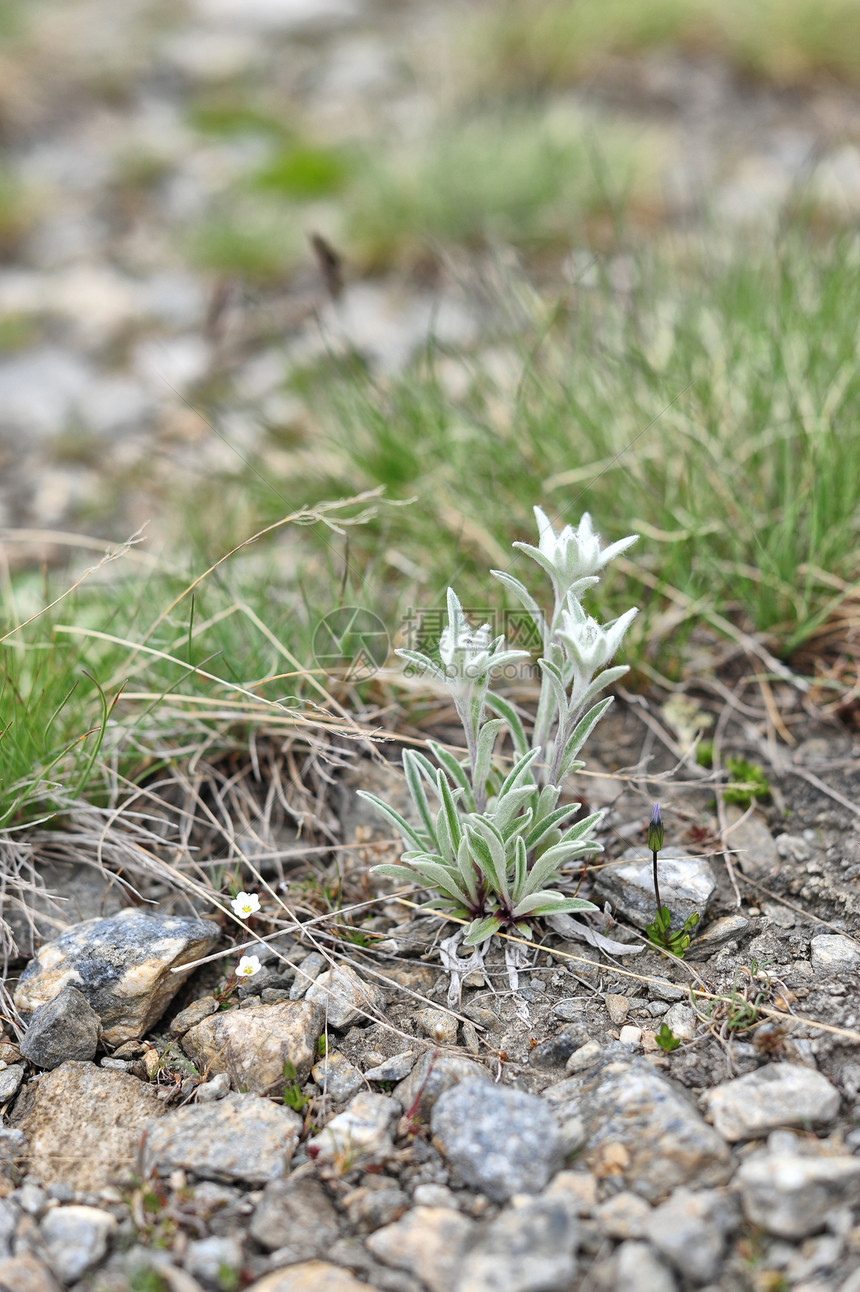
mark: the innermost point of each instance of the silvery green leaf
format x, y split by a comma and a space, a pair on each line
524, 597
447, 760
449, 805
549, 822
404, 873
520, 868
487, 737
423, 662
443, 836
441, 877
507, 711
556, 685
412, 770
604, 679
581, 829
518, 771
480, 930
546, 902
488, 850
518, 825
508, 805
583, 730
395, 818
467, 869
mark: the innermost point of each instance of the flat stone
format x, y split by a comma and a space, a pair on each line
337, 1077
66, 1027
430, 1078
756, 852
497, 1140
251, 1045
617, 1007
397, 1068
193, 1014
344, 997
529, 1247
83, 1125
719, 932
76, 1239
24, 1273
834, 953
635, 1117
123, 966
307, 972
637, 1266
687, 885
791, 1195
295, 1217
309, 1276
10, 1082
363, 1130
690, 1231
208, 1091
779, 1094
428, 1242
585, 1057
241, 1137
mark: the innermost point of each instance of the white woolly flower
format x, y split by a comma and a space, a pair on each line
589, 644
468, 654
572, 554
248, 966
245, 905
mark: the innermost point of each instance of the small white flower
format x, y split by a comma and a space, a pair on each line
245, 904
573, 554
589, 644
248, 966
467, 654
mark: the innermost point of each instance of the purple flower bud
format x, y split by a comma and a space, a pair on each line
655, 829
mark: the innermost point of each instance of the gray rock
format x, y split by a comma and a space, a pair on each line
834, 953
779, 1094
8, 1225
687, 885
690, 1231
719, 932
438, 1024
76, 1239
585, 1057
24, 1273
635, 1117
756, 851
10, 1081
363, 1130
31, 1198
307, 971
309, 1276
636, 1266
624, 1215
337, 1077
429, 1242
252, 1045
791, 1195
682, 1020
83, 1124
396, 1068
555, 1052
122, 965
344, 997
66, 894
295, 1217
241, 1137
529, 1247
430, 1078
497, 1140
193, 1014
209, 1259
66, 1027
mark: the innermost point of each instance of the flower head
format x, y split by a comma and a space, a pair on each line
467, 653
248, 966
245, 905
589, 644
572, 555
655, 829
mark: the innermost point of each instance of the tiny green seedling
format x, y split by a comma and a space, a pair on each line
293, 1096
752, 784
666, 1039
659, 931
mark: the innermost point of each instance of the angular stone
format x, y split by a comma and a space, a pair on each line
428, 1242
497, 1140
529, 1247
556, 1050
682, 1021
84, 1124
624, 1215
397, 1068
834, 953
76, 1239
585, 1057
756, 851
617, 1007
430, 1078
122, 965
337, 1077
10, 1082
690, 1230
344, 997
307, 971
687, 885
310, 1276
635, 1117
66, 1027
23, 1273
791, 1195
252, 1045
719, 932
636, 1266
438, 1024
363, 1130
242, 1137
295, 1217
193, 1014
779, 1094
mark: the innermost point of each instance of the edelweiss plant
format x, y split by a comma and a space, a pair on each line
491, 842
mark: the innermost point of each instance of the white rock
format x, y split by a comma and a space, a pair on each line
637, 1267
630, 1035
682, 1020
834, 953
362, 1130
779, 1094
791, 1195
344, 996
76, 1239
